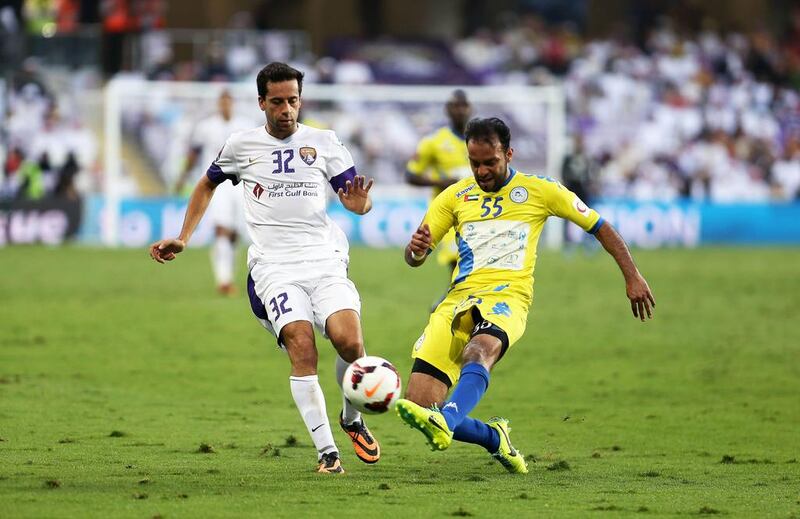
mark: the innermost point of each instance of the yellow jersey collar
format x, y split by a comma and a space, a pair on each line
510, 176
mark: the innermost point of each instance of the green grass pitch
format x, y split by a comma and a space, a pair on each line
129, 389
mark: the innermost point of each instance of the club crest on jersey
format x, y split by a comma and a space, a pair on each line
308, 154
519, 194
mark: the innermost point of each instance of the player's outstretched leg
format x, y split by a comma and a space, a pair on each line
494, 437
477, 432
472, 384
440, 427
344, 329
429, 421
506, 454
352, 423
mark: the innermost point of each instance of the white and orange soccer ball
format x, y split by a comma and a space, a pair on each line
371, 385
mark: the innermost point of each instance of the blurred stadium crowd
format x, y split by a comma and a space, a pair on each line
704, 114
44, 153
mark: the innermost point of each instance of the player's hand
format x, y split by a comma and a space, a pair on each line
165, 250
641, 298
420, 241
355, 195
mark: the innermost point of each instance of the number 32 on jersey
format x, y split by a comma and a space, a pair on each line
281, 159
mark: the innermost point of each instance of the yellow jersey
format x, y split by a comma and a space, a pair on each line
497, 233
440, 155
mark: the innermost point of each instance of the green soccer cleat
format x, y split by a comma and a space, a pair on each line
506, 454
430, 422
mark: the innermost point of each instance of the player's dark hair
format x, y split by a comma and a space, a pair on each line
458, 96
488, 129
276, 72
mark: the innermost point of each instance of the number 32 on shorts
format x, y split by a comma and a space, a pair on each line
278, 305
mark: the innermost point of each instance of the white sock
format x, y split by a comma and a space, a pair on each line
349, 413
311, 403
223, 256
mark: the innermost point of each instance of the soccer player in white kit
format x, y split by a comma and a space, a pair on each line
298, 257
227, 207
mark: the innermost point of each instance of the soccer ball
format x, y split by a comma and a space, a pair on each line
371, 385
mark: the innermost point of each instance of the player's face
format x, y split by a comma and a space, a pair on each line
489, 163
459, 112
281, 106
225, 105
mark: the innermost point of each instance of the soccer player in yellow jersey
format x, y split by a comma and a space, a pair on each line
441, 161
498, 216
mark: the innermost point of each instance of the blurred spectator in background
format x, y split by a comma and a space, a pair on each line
122, 18
54, 158
11, 44
669, 107
117, 23
28, 104
440, 161
578, 171
40, 16
215, 67
227, 206
208, 137
786, 172
46, 152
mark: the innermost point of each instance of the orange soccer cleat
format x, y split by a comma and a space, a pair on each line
365, 445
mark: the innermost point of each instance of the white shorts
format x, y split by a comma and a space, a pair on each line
281, 293
227, 206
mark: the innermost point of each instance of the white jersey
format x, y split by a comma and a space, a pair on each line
211, 133
285, 187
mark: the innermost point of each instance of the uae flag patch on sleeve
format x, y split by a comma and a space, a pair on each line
471, 198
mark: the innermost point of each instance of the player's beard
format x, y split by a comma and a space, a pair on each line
496, 181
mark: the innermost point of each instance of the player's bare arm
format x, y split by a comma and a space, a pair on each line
417, 248
635, 285
355, 195
166, 249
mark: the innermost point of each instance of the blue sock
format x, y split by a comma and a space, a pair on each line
468, 392
474, 431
